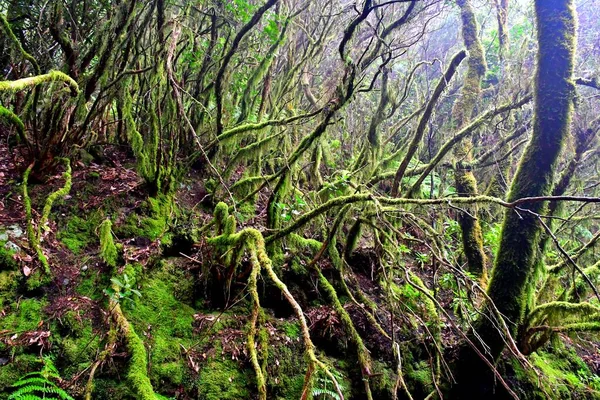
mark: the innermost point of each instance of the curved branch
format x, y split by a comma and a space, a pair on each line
414, 144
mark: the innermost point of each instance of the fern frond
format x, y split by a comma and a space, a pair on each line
30, 380
28, 397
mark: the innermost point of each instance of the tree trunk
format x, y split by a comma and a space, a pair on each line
512, 278
465, 182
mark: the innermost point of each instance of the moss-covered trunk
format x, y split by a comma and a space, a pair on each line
512, 276
465, 181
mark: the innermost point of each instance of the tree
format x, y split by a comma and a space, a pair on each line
512, 279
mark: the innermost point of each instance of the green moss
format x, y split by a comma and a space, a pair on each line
153, 223
8, 283
111, 389
223, 380
418, 377
11, 372
559, 373
384, 382
92, 283
285, 369
291, 329
7, 262
182, 282
80, 232
108, 251
24, 316
22, 84
168, 324
79, 345
169, 372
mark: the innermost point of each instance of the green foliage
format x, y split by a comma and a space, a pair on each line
271, 29
289, 210
241, 9
461, 302
491, 237
39, 385
121, 292
324, 388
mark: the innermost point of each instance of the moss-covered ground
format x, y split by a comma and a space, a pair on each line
149, 257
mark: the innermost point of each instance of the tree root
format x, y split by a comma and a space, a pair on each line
35, 235
138, 364
110, 345
252, 241
363, 354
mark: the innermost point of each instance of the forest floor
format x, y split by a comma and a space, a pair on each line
194, 329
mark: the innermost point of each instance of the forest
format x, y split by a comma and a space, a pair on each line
299, 199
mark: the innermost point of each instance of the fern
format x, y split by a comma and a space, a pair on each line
38, 386
324, 388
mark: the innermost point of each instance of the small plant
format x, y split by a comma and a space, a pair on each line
461, 302
422, 258
122, 291
289, 210
491, 237
324, 388
39, 385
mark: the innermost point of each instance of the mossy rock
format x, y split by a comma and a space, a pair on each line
153, 221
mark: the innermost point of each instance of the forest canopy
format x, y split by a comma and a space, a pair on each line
313, 199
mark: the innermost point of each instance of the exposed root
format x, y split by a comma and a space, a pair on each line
138, 364
35, 235
252, 241
363, 354
108, 349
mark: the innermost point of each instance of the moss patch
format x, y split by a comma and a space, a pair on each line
224, 380
165, 323
80, 233
24, 316
11, 372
